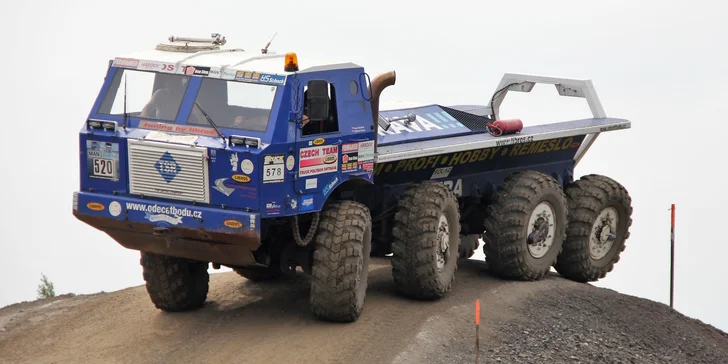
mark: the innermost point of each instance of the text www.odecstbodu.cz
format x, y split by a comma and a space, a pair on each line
168, 210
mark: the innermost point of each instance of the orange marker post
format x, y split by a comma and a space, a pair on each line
672, 252
477, 330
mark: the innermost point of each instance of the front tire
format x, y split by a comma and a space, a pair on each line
340, 271
601, 217
525, 226
175, 284
426, 243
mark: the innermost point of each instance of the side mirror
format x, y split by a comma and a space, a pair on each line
317, 100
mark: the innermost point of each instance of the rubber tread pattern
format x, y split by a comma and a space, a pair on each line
175, 284
587, 197
508, 214
340, 261
414, 244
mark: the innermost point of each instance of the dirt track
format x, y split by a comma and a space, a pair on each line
246, 322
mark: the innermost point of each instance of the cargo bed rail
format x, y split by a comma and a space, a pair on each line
564, 86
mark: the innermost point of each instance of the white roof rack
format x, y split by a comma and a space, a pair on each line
192, 45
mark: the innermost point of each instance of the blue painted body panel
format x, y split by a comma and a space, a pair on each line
166, 214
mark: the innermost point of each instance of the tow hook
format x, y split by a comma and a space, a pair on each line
160, 230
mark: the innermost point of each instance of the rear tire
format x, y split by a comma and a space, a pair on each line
426, 241
526, 204
601, 214
343, 244
175, 284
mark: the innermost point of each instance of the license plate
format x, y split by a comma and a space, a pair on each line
103, 167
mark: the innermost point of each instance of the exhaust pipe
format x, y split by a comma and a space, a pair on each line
378, 85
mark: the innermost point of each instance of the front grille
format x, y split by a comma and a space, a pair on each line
169, 171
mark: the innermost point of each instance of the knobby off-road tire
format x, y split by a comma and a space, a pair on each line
425, 248
519, 204
258, 274
343, 243
601, 214
175, 284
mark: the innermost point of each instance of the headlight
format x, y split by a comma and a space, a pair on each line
102, 124
243, 140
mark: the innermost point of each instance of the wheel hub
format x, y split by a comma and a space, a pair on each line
443, 242
541, 230
603, 233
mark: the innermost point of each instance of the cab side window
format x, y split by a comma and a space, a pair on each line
329, 125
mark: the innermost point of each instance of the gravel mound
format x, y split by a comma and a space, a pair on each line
584, 324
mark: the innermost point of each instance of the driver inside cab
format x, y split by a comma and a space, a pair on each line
165, 102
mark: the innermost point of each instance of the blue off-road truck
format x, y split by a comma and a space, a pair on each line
197, 154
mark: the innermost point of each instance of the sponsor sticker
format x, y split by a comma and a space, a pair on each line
613, 127
290, 162
246, 166
234, 161
240, 178
115, 208
311, 183
161, 136
274, 79
272, 208
358, 129
306, 203
234, 224
226, 187
173, 213
441, 172
318, 160
351, 147
273, 168
186, 129
228, 75
197, 70
329, 186
149, 66
125, 62
319, 141
366, 150
95, 206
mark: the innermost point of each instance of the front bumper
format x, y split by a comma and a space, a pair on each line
210, 235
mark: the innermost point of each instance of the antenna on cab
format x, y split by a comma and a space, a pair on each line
264, 50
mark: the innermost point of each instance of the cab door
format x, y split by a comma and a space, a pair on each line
318, 146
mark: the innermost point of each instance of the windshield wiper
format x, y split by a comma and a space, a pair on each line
209, 120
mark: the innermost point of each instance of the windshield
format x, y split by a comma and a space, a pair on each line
234, 105
149, 95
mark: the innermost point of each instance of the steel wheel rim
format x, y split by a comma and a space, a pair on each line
603, 233
443, 242
541, 227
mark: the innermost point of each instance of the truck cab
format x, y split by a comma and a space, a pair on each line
207, 146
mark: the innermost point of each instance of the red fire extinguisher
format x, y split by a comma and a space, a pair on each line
503, 127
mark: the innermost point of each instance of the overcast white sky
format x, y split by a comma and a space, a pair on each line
661, 65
